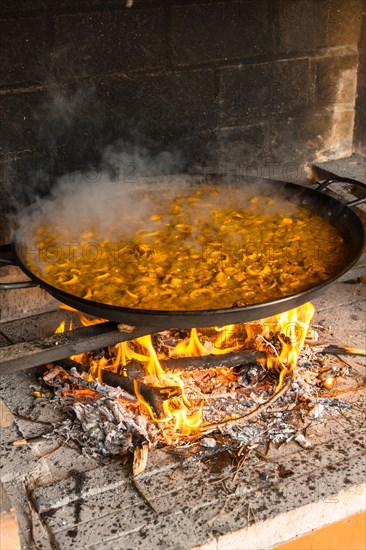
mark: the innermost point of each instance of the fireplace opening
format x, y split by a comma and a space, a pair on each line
123, 432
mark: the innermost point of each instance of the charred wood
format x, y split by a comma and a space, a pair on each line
251, 374
152, 395
187, 364
342, 350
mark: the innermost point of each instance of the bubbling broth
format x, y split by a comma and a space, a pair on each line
203, 248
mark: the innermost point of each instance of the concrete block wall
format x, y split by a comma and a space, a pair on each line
359, 141
256, 87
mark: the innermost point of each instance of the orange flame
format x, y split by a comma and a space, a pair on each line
176, 408
192, 346
85, 321
291, 327
61, 328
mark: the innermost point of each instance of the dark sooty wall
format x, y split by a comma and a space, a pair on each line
252, 86
215, 83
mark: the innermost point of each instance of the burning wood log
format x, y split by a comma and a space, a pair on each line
152, 395
188, 364
156, 396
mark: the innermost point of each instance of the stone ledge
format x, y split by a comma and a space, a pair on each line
294, 523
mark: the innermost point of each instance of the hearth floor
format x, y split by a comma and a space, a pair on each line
66, 500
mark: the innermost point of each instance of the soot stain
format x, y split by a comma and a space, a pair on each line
72, 533
79, 480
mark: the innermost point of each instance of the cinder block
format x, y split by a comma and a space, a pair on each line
46, 122
161, 112
109, 41
15, 304
21, 180
258, 90
344, 22
24, 49
338, 139
163, 101
103, 504
261, 151
310, 24
336, 79
19, 126
244, 152
296, 141
202, 33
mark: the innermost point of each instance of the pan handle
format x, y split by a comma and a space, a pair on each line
7, 258
324, 184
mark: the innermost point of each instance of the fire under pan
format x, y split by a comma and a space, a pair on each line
65, 499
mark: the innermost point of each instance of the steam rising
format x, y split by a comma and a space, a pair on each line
123, 187
115, 209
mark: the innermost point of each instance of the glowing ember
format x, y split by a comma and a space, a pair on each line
329, 382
